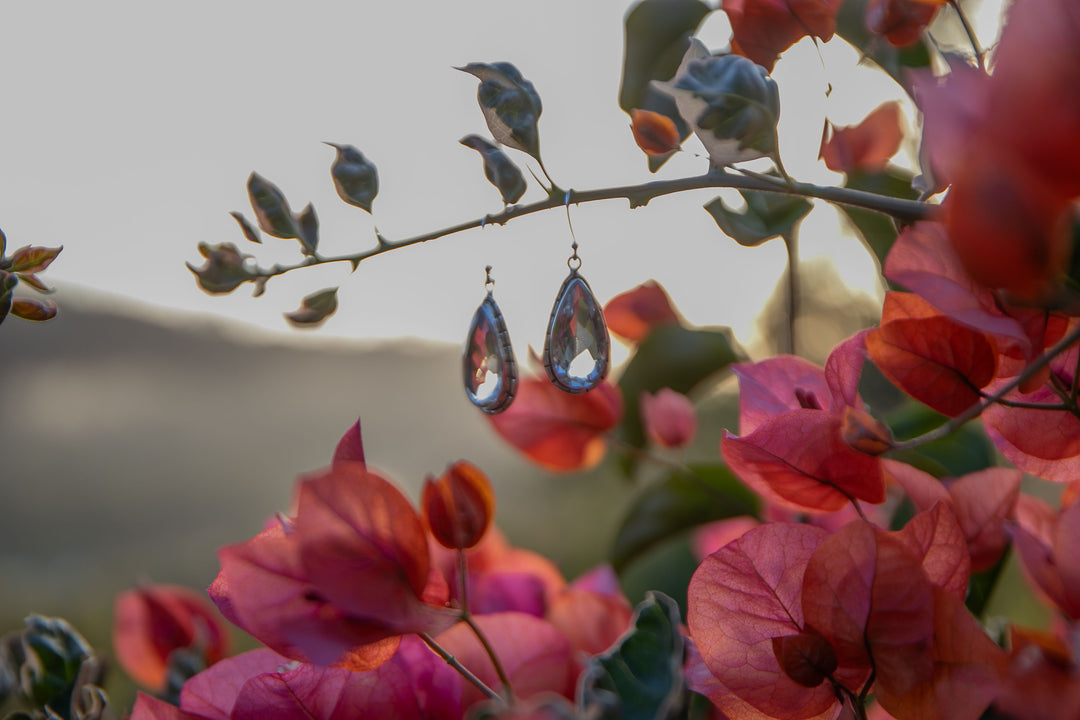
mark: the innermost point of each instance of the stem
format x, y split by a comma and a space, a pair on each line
970, 31
462, 670
638, 196
467, 618
791, 244
643, 454
977, 409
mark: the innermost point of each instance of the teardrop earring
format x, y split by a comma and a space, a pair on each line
576, 347
489, 368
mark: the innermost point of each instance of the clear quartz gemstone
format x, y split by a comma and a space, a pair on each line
577, 346
489, 368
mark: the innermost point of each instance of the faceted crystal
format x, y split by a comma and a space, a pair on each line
490, 372
577, 344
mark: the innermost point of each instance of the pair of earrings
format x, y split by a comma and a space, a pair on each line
576, 346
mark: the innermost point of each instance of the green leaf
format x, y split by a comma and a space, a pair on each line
767, 215
8, 281
314, 308
272, 210
851, 26
34, 310
679, 502
35, 282
878, 231
3, 243
965, 450
510, 105
250, 231
355, 177
657, 35
675, 357
498, 169
640, 677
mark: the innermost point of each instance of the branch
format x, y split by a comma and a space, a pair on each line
638, 196
977, 409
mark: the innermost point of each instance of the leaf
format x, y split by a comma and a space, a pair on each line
767, 215
510, 105
250, 231
35, 282
640, 678
741, 598
559, 430
308, 224
8, 281
799, 459
314, 308
634, 313
3, 243
355, 178
935, 360
35, 310
731, 104
679, 502
31, 259
498, 169
936, 537
225, 268
272, 210
675, 357
657, 34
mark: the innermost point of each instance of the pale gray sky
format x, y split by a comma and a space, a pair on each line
130, 127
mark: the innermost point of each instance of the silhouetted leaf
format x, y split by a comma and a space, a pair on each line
767, 215
878, 231
272, 210
640, 677
8, 281
851, 25
250, 231
657, 33
225, 268
510, 105
35, 282
679, 502
314, 308
498, 169
355, 177
308, 223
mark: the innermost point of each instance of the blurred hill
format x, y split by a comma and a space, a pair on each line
131, 448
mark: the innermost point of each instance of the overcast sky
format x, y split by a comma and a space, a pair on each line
130, 127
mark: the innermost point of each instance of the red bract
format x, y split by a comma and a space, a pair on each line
634, 313
1045, 443
982, 501
1010, 145
458, 507
260, 684
351, 446
1043, 681
900, 21
799, 460
1046, 542
591, 612
931, 357
654, 132
740, 599
342, 585
559, 430
865, 147
535, 656
668, 417
763, 29
151, 622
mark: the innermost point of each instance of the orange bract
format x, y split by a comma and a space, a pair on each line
654, 133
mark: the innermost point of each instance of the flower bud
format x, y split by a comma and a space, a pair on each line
458, 506
668, 417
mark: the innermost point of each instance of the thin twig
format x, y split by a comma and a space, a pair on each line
640, 195
791, 244
977, 409
467, 618
462, 670
970, 31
